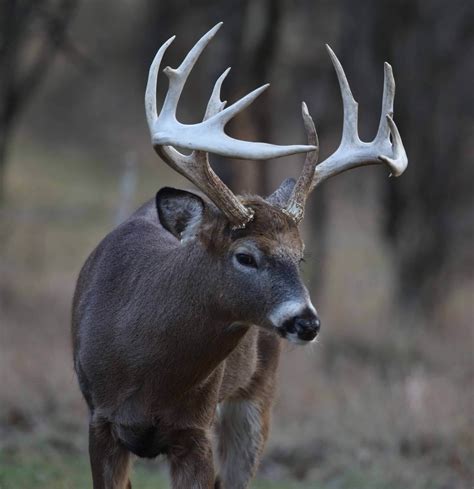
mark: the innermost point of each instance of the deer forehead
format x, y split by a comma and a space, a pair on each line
284, 245
273, 233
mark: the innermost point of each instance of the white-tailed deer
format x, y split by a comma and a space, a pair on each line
180, 312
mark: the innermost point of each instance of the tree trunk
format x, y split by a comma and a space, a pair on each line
429, 49
17, 82
3, 158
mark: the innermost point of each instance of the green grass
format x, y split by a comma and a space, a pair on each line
54, 471
49, 469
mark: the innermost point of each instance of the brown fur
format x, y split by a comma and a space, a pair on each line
163, 332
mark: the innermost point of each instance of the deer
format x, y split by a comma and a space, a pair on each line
180, 313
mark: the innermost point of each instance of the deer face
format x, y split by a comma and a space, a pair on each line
265, 270
253, 273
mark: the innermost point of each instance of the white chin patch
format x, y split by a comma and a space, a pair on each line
293, 338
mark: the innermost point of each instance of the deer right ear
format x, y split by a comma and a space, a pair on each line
180, 212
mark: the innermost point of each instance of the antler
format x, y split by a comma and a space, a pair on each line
206, 136
352, 152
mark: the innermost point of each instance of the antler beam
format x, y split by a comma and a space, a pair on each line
206, 136
352, 152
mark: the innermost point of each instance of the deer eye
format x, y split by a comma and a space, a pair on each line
246, 260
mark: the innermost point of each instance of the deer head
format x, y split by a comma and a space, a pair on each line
252, 245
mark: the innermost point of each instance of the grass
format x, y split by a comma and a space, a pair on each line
54, 471
62, 472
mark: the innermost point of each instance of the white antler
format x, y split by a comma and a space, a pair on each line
206, 136
352, 152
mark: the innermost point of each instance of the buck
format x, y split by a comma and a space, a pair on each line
180, 313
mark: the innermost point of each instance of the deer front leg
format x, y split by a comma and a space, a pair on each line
110, 461
242, 429
191, 462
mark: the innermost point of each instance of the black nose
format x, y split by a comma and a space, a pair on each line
306, 328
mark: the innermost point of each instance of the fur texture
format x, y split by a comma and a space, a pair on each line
163, 330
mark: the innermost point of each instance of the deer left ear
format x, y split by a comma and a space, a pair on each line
180, 212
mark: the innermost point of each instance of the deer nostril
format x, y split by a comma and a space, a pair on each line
317, 324
307, 329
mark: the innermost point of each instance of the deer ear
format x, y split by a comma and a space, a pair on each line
180, 212
282, 193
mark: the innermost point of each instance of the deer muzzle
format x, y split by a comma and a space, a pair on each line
296, 322
301, 329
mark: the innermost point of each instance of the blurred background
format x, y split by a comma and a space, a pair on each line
386, 398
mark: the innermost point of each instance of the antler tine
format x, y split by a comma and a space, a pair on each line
178, 76
399, 161
150, 91
296, 203
215, 104
350, 106
227, 114
387, 103
352, 152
